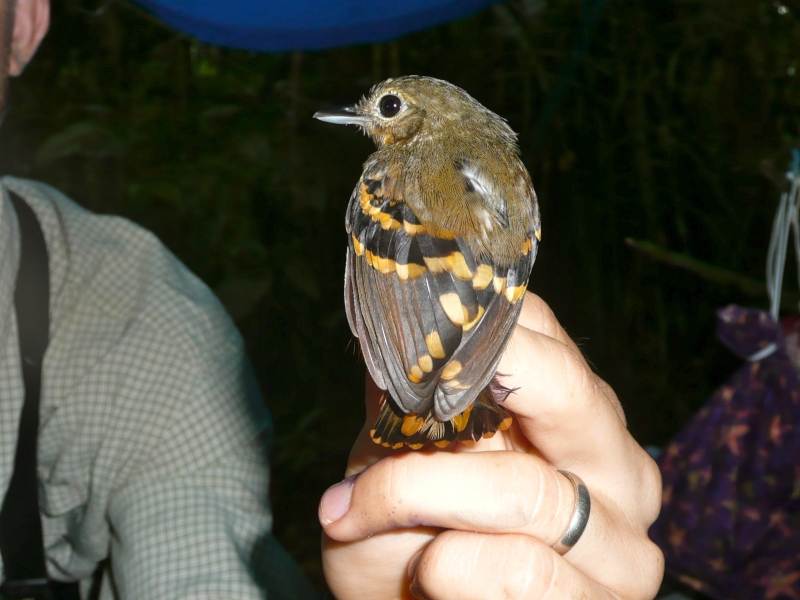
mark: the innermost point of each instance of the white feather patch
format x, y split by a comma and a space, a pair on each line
493, 200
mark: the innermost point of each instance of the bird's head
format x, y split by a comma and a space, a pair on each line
409, 108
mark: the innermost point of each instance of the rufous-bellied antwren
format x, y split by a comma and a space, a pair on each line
443, 230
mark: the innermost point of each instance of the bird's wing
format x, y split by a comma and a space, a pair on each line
432, 320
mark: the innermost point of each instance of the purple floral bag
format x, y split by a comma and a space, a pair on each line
730, 519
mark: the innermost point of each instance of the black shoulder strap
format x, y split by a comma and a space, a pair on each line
21, 543
20, 523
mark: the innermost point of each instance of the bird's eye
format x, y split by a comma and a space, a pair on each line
390, 105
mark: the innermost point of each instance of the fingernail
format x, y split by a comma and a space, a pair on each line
416, 590
412, 565
335, 501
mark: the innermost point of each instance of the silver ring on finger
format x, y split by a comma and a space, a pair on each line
583, 506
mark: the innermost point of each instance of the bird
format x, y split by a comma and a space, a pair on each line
443, 229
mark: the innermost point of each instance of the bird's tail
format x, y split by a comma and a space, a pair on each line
482, 419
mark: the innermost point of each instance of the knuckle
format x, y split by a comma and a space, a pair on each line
538, 316
441, 561
642, 502
584, 383
641, 579
507, 567
612, 398
531, 569
535, 306
521, 500
652, 571
571, 393
651, 479
390, 483
400, 483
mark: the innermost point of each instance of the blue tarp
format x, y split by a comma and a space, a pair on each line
280, 25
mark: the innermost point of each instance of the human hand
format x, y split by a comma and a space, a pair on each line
480, 522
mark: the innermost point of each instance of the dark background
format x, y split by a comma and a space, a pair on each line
665, 122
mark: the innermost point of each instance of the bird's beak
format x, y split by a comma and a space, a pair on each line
341, 115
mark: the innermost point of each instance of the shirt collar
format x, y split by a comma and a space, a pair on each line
9, 261
44, 201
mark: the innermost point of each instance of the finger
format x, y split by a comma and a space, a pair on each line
478, 566
537, 316
388, 556
554, 390
615, 551
492, 492
485, 492
571, 417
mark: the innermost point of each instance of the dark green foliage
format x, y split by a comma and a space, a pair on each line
673, 120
